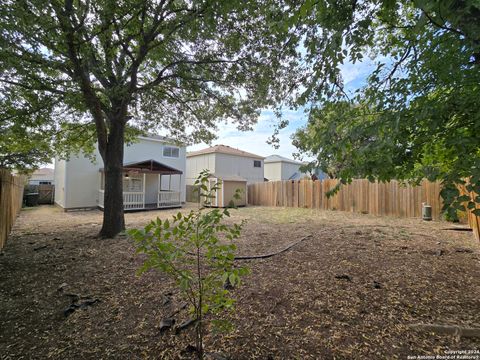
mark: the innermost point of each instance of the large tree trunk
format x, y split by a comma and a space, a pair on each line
113, 218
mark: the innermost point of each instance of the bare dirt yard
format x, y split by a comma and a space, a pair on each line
350, 291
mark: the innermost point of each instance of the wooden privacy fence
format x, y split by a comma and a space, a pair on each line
473, 220
11, 195
388, 199
385, 199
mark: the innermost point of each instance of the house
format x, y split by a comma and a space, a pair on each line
154, 177
42, 176
281, 168
230, 169
224, 162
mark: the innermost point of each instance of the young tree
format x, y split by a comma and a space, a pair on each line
152, 64
418, 114
197, 251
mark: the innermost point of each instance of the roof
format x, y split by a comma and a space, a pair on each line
224, 149
149, 166
160, 138
228, 177
278, 158
43, 171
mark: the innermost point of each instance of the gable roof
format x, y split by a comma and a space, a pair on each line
160, 138
149, 166
224, 149
278, 158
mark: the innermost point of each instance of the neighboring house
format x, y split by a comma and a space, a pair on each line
43, 176
280, 168
225, 162
154, 177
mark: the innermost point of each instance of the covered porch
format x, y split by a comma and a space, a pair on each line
147, 185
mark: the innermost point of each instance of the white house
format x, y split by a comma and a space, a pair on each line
42, 176
154, 177
281, 168
224, 162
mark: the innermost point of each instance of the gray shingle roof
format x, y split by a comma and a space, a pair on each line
278, 158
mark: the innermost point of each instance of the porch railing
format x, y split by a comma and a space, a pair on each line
168, 199
131, 200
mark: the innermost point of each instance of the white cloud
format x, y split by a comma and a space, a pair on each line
256, 141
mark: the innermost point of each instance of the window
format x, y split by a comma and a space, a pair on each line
171, 151
257, 163
132, 184
45, 183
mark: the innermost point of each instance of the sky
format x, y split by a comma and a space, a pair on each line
255, 141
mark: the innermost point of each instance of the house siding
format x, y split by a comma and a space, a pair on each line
273, 171
281, 170
36, 179
288, 169
82, 182
196, 164
82, 177
230, 165
59, 176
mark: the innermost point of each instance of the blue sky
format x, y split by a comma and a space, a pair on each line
255, 141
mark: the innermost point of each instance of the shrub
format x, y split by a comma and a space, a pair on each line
189, 249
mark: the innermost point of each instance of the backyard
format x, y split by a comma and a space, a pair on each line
351, 288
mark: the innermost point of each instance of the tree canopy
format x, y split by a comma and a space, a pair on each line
418, 116
94, 69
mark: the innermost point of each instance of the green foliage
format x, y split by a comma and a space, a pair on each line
417, 117
177, 66
197, 251
23, 148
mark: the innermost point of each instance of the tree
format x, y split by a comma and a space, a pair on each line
148, 64
24, 136
197, 251
418, 114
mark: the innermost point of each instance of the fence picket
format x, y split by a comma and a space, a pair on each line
11, 197
383, 199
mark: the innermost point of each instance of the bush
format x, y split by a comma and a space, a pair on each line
189, 249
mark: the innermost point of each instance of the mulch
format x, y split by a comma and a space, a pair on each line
350, 290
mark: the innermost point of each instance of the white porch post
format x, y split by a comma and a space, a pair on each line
159, 189
180, 190
144, 182
170, 182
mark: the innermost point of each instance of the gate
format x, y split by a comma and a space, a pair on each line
46, 194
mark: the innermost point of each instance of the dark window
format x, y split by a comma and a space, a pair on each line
45, 183
257, 163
